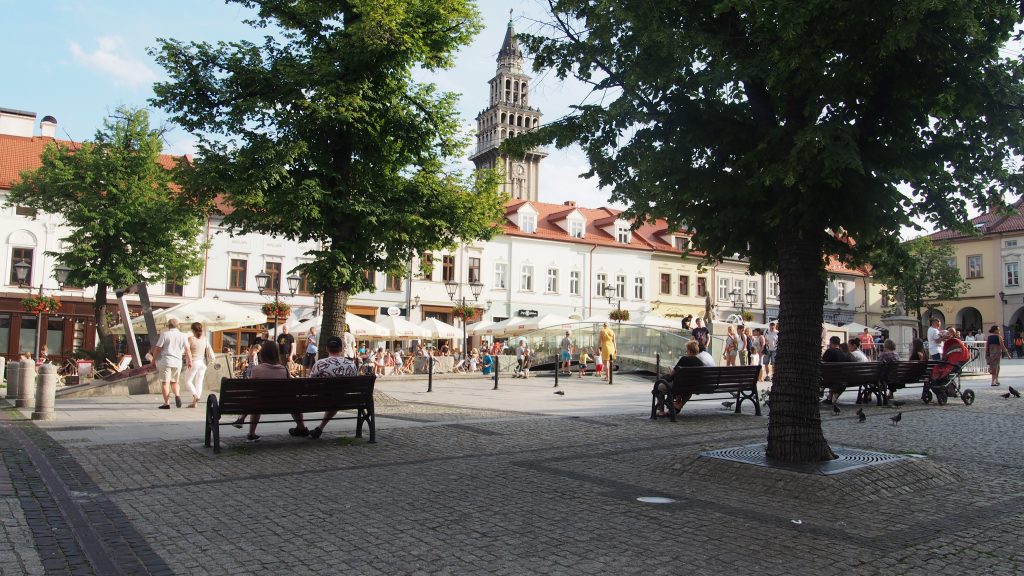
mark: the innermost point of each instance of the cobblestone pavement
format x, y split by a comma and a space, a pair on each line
457, 490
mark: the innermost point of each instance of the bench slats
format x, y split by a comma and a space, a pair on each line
739, 381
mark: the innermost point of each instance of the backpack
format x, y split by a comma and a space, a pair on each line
1018, 341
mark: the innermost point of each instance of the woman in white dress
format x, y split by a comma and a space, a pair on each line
201, 357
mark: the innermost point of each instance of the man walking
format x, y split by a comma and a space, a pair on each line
771, 344
286, 346
567, 348
170, 351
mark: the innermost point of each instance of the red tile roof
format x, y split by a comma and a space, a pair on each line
20, 153
547, 229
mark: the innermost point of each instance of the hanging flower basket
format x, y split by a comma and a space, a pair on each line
41, 304
275, 310
464, 312
620, 315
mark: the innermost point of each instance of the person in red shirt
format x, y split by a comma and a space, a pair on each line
867, 343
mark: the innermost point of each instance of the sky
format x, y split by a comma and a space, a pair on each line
78, 60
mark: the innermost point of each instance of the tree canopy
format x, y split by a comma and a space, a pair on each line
321, 134
129, 223
921, 272
787, 132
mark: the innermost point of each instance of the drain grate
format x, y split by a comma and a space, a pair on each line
848, 459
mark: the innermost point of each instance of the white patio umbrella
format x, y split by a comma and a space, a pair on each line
655, 321
399, 328
507, 327
214, 314
439, 329
359, 326
480, 328
542, 322
858, 328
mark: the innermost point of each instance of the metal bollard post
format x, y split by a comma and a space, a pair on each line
430, 372
13, 380
26, 384
611, 370
3, 366
657, 365
46, 392
558, 368
497, 369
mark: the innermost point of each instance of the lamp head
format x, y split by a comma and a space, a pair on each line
261, 281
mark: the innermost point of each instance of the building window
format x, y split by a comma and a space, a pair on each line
773, 285
622, 234
239, 272
304, 287
638, 288
500, 271
602, 283
21, 255
526, 279
681, 242
951, 262
574, 282
173, 287
886, 299
553, 280
620, 286
702, 287
723, 289
528, 222
665, 286
1010, 244
576, 228
752, 289
474, 270
974, 266
1013, 274
274, 270
841, 292
448, 268
392, 283
684, 285
370, 277
427, 266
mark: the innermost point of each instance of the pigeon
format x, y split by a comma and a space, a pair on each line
559, 392
896, 419
1007, 395
835, 409
897, 403
1014, 392
727, 405
860, 415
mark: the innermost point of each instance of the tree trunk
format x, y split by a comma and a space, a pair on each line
99, 313
794, 424
335, 305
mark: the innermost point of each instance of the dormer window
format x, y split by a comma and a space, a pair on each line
528, 222
576, 228
681, 242
623, 234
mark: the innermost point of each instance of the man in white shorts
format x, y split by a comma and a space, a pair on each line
170, 352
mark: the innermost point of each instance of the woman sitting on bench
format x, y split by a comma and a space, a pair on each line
269, 367
664, 383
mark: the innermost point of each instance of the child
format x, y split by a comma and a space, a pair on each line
584, 358
598, 366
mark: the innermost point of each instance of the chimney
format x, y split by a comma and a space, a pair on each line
570, 203
16, 122
48, 127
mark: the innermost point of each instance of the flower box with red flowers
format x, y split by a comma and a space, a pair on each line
276, 310
41, 304
464, 312
620, 315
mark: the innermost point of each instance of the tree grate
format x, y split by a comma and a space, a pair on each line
848, 459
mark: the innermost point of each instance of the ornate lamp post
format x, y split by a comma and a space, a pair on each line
452, 287
21, 272
743, 299
611, 294
262, 279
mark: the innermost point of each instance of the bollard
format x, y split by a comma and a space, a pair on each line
26, 384
657, 365
558, 368
3, 366
611, 370
12, 380
46, 392
497, 369
430, 372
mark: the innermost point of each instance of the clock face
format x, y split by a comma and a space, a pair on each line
518, 169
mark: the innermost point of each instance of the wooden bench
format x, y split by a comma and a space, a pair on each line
838, 376
738, 381
288, 396
895, 376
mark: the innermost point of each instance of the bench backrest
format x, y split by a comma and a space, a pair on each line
710, 378
904, 372
287, 395
849, 373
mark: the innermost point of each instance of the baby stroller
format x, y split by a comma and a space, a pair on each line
943, 377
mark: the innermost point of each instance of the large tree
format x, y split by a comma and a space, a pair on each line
787, 131
128, 222
321, 134
919, 271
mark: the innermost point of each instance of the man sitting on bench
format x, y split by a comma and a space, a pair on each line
665, 382
337, 364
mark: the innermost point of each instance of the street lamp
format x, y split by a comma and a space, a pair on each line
610, 289
743, 299
262, 279
452, 287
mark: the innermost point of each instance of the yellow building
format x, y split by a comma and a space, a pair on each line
678, 287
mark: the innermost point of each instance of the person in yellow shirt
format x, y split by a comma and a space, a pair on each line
606, 338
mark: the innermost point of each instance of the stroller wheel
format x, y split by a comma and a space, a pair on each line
926, 396
940, 397
968, 397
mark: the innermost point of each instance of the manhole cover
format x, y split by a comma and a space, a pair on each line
848, 459
655, 500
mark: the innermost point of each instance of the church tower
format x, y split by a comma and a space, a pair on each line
509, 114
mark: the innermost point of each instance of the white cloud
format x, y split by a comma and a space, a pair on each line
106, 59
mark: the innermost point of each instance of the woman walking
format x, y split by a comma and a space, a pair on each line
732, 347
202, 356
994, 350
